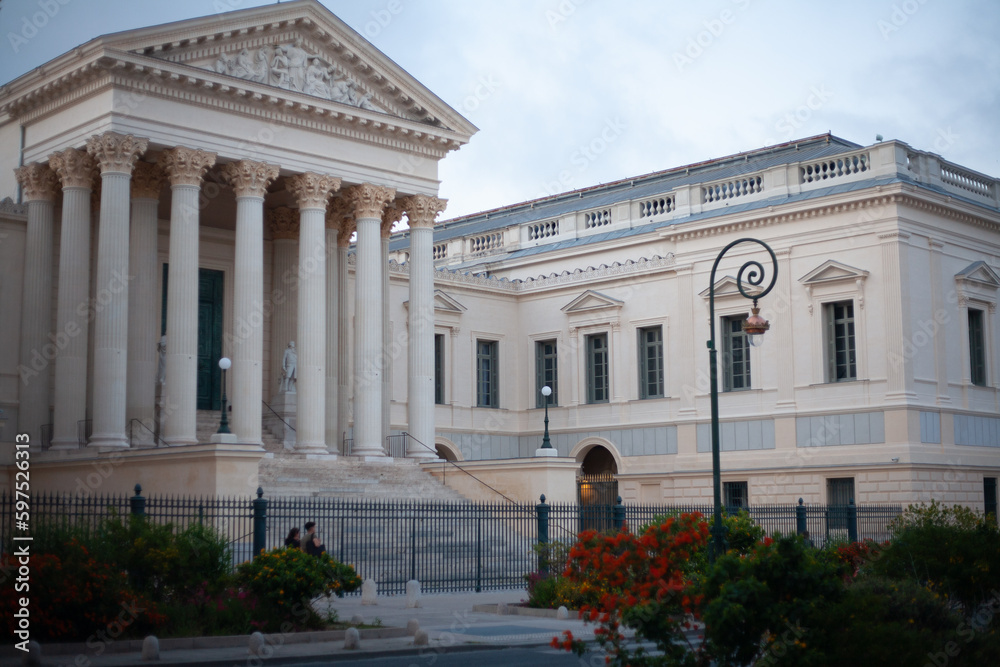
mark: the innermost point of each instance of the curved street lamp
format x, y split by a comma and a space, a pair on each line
752, 272
224, 364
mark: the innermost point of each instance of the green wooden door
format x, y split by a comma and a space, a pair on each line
210, 285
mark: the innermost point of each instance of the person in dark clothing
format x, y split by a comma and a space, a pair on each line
293, 538
313, 545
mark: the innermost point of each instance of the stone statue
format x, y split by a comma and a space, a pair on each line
161, 370
289, 362
316, 77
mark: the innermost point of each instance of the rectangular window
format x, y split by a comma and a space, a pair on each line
597, 368
487, 374
977, 347
546, 372
841, 355
734, 495
735, 355
439, 369
651, 362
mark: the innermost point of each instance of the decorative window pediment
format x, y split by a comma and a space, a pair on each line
447, 303
726, 286
978, 274
591, 301
832, 271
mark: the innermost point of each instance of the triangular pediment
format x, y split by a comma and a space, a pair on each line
447, 303
293, 48
591, 300
979, 273
832, 271
725, 286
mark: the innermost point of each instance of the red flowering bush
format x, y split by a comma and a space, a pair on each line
644, 584
76, 597
855, 555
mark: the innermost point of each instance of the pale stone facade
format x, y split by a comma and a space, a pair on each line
173, 192
904, 241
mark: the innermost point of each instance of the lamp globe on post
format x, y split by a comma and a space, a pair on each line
224, 364
546, 449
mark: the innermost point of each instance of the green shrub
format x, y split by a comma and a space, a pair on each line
285, 580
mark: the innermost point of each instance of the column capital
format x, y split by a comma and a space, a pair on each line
186, 166
283, 223
147, 180
38, 182
312, 190
369, 200
116, 152
249, 178
340, 214
76, 168
391, 214
422, 209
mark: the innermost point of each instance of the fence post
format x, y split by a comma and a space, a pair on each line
800, 518
542, 511
259, 523
852, 521
618, 514
138, 502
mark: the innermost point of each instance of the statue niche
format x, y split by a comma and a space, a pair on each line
291, 67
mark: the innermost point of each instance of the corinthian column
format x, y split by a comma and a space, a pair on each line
390, 216
40, 185
336, 213
76, 170
368, 201
421, 211
116, 154
185, 167
250, 181
143, 360
311, 192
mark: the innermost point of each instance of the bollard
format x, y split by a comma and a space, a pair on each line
852, 521
543, 534
618, 514
138, 502
800, 518
259, 523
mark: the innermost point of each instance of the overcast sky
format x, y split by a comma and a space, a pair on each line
572, 93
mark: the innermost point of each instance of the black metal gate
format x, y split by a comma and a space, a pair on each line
596, 495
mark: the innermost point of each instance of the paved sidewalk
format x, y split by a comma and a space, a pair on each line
448, 619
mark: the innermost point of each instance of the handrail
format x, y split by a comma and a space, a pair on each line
511, 501
277, 415
156, 438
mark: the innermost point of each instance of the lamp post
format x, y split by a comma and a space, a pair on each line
546, 449
224, 364
754, 327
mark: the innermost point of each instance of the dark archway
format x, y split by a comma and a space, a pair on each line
597, 489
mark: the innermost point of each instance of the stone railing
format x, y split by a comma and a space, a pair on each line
966, 181
598, 218
543, 230
834, 167
656, 206
486, 243
738, 187
440, 251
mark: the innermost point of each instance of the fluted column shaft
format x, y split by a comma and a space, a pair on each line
250, 181
385, 360
143, 334
332, 338
185, 169
421, 211
39, 184
117, 155
369, 202
312, 192
76, 170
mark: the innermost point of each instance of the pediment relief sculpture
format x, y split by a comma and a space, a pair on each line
291, 67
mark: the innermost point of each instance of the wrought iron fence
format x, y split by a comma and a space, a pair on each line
447, 546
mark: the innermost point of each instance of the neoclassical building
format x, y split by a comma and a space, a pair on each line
189, 191
231, 186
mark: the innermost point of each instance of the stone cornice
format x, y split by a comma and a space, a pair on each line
75, 168
249, 178
9, 208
